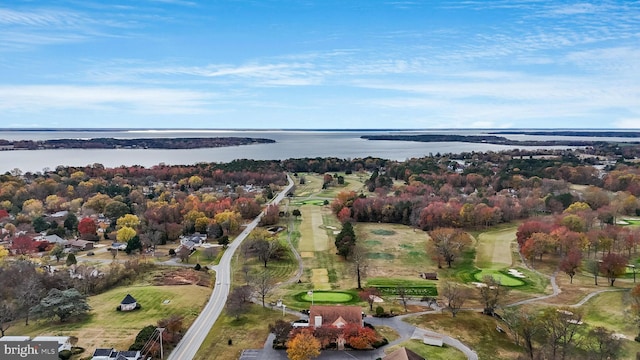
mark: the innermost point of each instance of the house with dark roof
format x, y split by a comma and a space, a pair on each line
128, 303
337, 316
81, 244
403, 354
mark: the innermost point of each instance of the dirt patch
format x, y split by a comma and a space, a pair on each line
183, 277
307, 254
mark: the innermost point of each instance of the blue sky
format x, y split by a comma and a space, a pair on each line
320, 64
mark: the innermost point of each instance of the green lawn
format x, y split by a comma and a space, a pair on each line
106, 327
504, 279
249, 332
475, 330
328, 297
430, 352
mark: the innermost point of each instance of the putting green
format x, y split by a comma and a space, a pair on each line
326, 297
505, 280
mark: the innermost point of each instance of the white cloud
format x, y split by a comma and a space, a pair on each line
43, 98
629, 123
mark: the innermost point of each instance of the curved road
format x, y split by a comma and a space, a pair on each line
193, 339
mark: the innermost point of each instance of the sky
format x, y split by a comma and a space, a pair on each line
319, 64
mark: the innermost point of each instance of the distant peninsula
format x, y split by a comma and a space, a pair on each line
604, 133
486, 139
143, 143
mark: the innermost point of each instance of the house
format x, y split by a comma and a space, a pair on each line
55, 239
128, 303
403, 354
113, 354
64, 342
338, 316
81, 244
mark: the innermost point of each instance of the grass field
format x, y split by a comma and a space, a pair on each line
395, 250
106, 327
494, 248
475, 330
608, 310
504, 279
430, 352
249, 332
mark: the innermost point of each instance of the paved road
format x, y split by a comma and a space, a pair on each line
193, 339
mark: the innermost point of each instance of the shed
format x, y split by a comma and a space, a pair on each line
128, 303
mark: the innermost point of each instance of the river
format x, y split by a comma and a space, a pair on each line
289, 144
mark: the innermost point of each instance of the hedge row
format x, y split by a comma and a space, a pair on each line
410, 290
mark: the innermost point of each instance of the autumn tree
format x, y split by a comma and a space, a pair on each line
271, 215
23, 245
359, 337
303, 346
455, 296
570, 263
128, 220
536, 245
612, 266
492, 294
87, 228
125, 233
369, 295
448, 244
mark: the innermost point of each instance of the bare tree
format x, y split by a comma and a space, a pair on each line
30, 291
456, 295
402, 294
359, 260
602, 344
8, 314
525, 326
264, 283
238, 301
492, 294
184, 253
